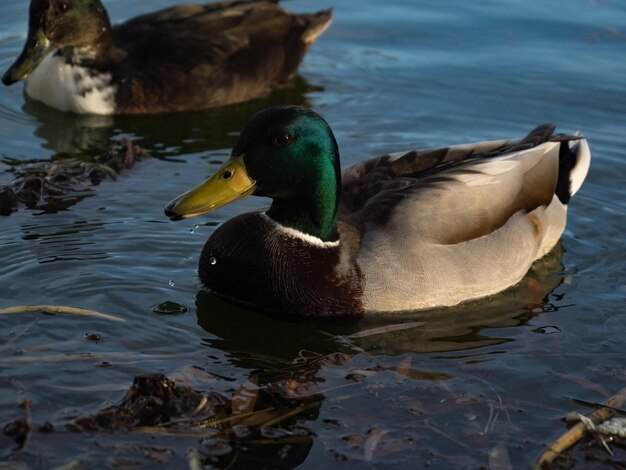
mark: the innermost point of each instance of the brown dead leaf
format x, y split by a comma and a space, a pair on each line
246, 396
292, 388
403, 369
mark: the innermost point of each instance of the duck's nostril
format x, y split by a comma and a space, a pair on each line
227, 174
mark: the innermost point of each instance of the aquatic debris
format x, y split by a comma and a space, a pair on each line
246, 396
152, 399
576, 433
19, 429
405, 370
156, 404
94, 337
614, 427
58, 184
59, 309
547, 330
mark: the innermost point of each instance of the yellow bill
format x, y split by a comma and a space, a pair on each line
229, 183
35, 50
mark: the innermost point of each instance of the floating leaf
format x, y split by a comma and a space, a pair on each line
246, 396
403, 369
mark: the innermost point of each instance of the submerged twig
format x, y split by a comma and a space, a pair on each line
280, 441
211, 423
571, 437
491, 422
191, 432
59, 309
290, 414
444, 434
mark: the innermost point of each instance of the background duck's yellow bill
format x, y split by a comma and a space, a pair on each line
229, 183
35, 50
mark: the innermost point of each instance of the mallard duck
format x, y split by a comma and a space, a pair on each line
187, 57
404, 231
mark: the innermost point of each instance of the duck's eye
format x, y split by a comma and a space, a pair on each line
61, 7
283, 139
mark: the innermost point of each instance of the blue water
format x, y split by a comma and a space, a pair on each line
495, 375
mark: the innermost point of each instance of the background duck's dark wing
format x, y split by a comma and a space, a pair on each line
212, 54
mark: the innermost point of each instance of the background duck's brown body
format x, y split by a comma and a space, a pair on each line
192, 57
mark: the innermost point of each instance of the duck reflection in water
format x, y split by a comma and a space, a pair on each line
68, 134
88, 138
348, 364
251, 337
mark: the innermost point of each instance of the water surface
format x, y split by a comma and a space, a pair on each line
463, 388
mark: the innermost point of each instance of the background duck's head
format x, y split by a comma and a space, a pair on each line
287, 153
58, 24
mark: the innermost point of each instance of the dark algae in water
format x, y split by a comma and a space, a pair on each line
235, 428
152, 400
59, 184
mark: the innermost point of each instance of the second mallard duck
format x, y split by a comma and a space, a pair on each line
406, 231
187, 57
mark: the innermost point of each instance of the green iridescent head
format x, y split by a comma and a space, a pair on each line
58, 24
287, 153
